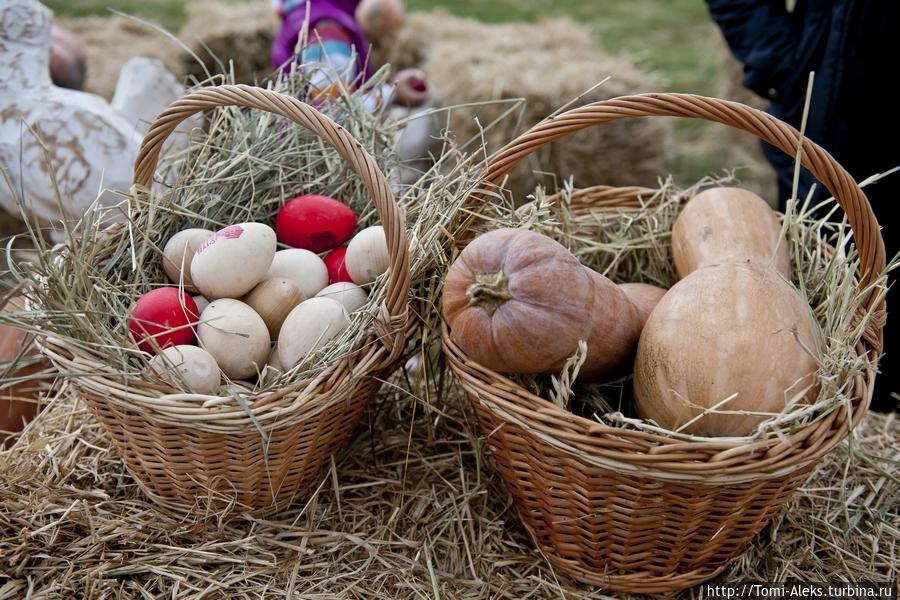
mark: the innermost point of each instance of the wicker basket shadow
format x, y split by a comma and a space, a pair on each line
636, 511
190, 453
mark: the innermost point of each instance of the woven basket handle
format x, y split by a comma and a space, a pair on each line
305, 116
833, 176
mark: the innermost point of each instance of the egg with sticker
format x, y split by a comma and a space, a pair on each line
233, 260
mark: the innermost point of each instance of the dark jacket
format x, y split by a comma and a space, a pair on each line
852, 45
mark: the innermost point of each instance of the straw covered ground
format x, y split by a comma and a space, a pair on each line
412, 509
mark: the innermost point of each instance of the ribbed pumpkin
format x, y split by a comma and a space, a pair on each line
733, 331
519, 302
726, 224
644, 296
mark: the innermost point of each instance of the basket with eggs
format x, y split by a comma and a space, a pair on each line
229, 337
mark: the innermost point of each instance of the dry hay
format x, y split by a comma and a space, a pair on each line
228, 37
110, 42
547, 65
411, 509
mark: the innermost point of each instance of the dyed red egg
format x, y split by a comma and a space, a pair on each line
315, 223
163, 314
337, 268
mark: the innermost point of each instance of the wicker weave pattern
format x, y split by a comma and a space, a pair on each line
188, 451
632, 510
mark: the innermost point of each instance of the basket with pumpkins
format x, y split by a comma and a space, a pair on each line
656, 371
227, 335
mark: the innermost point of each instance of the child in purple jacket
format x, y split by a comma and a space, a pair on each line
336, 34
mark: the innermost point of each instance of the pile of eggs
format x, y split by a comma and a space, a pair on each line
250, 296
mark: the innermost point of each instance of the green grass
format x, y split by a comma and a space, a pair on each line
168, 13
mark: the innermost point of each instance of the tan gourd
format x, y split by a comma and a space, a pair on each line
725, 224
518, 302
272, 300
734, 331
644, 296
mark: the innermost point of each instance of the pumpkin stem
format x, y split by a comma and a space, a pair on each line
489, 291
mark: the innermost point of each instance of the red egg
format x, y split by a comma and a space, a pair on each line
337, 268
163, 314
315, 223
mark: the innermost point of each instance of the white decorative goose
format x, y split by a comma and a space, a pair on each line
90, 143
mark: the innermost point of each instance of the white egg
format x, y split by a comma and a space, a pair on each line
233, 260
304, 268
188, 366
179, 254
236, 336
349, 294
201, 302
309, 327
367, 255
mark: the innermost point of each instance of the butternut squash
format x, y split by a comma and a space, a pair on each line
730, 337
518, 302
726, 224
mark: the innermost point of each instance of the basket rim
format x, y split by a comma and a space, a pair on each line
265, 409
646, 453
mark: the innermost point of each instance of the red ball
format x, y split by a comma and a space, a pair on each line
163, 314
337, 268
315, 223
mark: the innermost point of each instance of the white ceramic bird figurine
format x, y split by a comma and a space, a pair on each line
90, 144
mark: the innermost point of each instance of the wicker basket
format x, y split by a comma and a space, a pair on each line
634, 511
185, 454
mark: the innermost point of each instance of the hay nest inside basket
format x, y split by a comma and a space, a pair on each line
546, 65
243, 168
411, 509
633, 245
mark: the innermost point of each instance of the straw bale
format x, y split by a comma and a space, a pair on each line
547, 65
228, 36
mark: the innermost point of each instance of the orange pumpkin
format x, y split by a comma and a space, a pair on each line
18, 401
644, 296
519, 302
